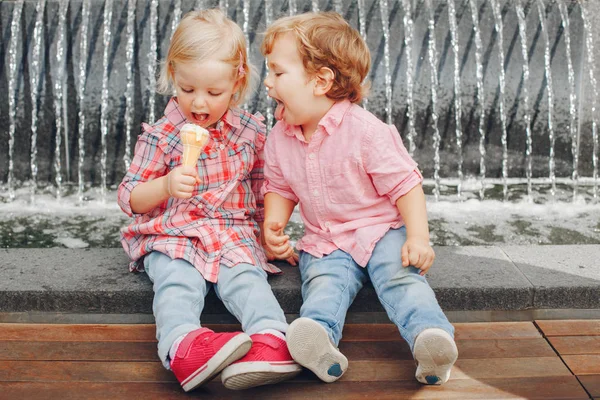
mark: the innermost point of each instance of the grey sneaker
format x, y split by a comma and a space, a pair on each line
310, 346
435, 353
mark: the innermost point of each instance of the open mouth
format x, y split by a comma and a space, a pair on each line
200, 118
279, 110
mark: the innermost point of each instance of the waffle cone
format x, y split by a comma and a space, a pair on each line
194, 139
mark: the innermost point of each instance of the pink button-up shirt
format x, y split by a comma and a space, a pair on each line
217, 225
347, 179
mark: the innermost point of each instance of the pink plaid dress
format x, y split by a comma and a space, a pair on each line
217, 225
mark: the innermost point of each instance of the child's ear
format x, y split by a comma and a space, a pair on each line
323, 81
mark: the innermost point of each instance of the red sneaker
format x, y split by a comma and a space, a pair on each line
268, 361
202, 354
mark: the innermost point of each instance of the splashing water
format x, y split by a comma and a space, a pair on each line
129, 66
153, 26
83, 53
385, 16
176, 15
457, 93
589, 42
337, 5
564, 14
35, 88
480, 96
433, 62
268, 21
58, 99
362, 25
410, 106
550, 90
499, 26
527, 113
15, 29
108, 11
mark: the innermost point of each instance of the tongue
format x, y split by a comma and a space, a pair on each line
279, 111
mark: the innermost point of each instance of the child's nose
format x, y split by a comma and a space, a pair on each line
199, 102
267, 82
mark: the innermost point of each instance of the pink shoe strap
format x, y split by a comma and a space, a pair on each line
267, 339
184, 346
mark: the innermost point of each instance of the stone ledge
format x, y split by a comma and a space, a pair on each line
507, 278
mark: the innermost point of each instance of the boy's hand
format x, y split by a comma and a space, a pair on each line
418, 253
277, 245
181, 181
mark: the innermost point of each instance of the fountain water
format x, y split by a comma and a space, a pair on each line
457, 114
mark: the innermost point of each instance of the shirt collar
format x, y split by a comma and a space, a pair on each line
330, 121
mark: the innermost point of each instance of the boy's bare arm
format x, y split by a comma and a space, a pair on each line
416, 250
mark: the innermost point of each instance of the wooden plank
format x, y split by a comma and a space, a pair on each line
591, 383
358, 371
78, 351
89, 332
564, 387
146, 351
78, 333
362, 371
576, 344
69, 371
147, 332
472, 330
574, 327
583, 364
474, 348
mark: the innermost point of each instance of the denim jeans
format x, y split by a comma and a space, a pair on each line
330, 284
179, 291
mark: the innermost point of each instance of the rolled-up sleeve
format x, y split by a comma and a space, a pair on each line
393, 172
148, 163
274, 179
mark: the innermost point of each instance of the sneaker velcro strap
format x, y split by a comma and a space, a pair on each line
268, 339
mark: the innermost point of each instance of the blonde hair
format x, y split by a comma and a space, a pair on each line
199, 35
325, 39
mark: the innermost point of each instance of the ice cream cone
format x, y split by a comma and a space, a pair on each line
194, 139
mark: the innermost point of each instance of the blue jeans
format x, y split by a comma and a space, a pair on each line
179, 291
330, 284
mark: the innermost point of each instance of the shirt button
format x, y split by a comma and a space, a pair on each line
221, 146
327, 224
311, 156
200, 205
217, 253
316, 192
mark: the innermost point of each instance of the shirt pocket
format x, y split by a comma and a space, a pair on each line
343, 182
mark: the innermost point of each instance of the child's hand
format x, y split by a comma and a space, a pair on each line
418, 253
181, 181
277, 245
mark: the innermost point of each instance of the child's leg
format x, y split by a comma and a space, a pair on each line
248, 296
411, 304
194, 354
329, 285
179, 291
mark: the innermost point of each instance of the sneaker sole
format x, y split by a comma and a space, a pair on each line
435, 355
246, 375
233, 350
310, 347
